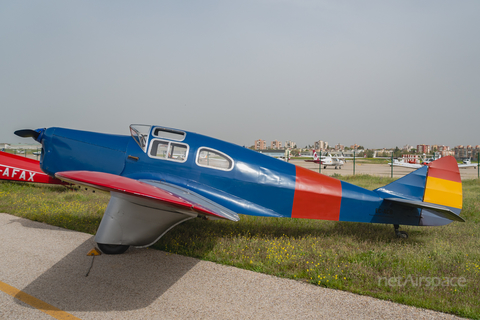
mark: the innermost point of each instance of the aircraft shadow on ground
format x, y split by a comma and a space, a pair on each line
137, 278
25, 222
124, 282
193, 229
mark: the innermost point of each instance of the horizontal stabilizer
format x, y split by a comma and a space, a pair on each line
439, 210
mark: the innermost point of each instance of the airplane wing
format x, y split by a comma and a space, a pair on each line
159, 195
418, 166
407, 165
17, 168
467, 165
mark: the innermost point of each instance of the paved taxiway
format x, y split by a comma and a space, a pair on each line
383, 170
50, 263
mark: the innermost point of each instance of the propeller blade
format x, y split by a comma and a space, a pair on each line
27, 133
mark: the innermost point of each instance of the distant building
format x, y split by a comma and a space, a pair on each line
462, 152
407, 148
339, 147
276, 145
320, 145
260, 145
382, 153
445, 151
290, 144
423, 148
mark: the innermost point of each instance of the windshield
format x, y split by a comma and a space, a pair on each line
140, 134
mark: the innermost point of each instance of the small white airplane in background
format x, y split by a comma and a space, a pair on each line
467, 163
327, 160
401, 163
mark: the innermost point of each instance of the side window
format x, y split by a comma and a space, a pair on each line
178, 151
214, 159
168, 150
159, 149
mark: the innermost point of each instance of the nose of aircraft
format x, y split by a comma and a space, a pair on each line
29, 133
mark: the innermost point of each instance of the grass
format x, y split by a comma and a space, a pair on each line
72, 209
356, 257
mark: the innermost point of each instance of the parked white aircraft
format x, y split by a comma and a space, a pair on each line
401, 163
467, 163
327, 160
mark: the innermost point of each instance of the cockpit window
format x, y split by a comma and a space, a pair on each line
140, 134
174, 151
170, 134
214, 159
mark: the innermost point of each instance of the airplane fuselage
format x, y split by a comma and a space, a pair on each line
235, 177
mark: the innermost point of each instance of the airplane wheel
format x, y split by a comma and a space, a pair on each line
402, 234
112, 248
324, 167
336, 168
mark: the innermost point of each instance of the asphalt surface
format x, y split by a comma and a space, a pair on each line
50, 264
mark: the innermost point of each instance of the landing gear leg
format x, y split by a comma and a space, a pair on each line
398, 233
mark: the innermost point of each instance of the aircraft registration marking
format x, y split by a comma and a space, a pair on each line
36, 303
15, 173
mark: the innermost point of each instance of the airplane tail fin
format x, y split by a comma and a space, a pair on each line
315, 156
435, 189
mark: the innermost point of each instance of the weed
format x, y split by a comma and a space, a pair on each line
341, 255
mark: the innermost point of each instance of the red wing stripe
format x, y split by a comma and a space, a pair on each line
111, 182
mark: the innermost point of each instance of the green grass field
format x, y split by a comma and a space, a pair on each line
435, 268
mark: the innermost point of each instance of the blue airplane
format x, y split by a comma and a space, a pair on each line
159, 177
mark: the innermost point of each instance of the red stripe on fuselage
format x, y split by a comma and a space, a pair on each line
316, 196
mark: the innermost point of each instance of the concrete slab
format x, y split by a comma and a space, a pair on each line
50, 264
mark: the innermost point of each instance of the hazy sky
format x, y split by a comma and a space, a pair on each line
375, 73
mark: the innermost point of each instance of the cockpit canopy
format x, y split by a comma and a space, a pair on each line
140, 133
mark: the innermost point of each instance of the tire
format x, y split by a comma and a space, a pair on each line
112, 248
402, 234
